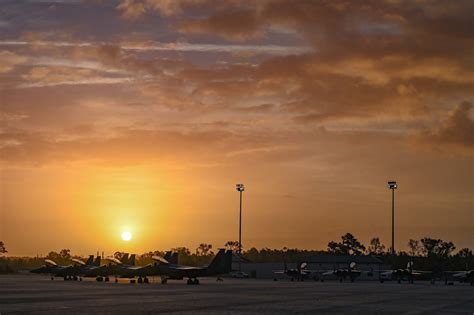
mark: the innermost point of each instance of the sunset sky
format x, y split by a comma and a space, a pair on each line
142, 116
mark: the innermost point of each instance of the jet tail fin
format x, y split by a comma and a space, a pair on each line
228, 261
90, 260
171, 257
218, 264
124, 259
131, 260
97, 261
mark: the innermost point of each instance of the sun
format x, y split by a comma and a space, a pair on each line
126, 236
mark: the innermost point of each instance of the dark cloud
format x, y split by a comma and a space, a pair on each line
239, 25
457, 130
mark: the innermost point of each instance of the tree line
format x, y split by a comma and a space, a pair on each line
426, 254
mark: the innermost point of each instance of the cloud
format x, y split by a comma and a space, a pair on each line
237, 25
134, 9
131, 9
153, 46
57, 75
8, 60
127, 147
457, 130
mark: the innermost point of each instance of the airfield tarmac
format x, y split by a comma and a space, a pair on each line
40, 295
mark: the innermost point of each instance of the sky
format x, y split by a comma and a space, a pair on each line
142, 115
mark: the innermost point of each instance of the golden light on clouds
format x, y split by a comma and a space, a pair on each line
141, 116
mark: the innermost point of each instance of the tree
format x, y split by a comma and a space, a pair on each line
3, 249
445, 249
204, 249
337, 248
232, 245
414, 246
465, 253
182, 251
65, 253
349, 246
437, 247
353, 245
376, 247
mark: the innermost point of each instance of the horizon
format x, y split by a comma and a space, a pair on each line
140, 117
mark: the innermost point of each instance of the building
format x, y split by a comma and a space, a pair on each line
370, 265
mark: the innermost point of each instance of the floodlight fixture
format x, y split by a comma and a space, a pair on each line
393, 185
240, 187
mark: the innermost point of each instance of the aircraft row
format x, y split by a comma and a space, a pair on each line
351, 273
166, 267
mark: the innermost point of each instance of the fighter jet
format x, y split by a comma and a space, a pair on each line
342, 273
113, 267
408, 274
300, 273
221, 264
69, 272
466, 276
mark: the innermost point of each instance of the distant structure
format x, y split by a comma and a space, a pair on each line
393, 185
371, 265
240, 188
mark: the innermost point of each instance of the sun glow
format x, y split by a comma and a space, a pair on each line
126, 236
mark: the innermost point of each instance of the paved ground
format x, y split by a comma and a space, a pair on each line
37, 294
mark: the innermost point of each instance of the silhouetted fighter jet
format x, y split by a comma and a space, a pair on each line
300, 273
342, 273
408, 274
114, 267
466, 276
70, 272
221, 264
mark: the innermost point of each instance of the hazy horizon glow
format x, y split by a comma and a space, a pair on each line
142, 115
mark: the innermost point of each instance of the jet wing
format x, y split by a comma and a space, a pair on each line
185, 268
328, 273
160, 259
134, 267
50, 263
78, 261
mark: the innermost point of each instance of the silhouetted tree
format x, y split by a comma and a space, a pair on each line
204, 249
3, 249
414, 246
349, 246
376, 247
337, 248
181, 250
65, 253
354, 246
232, 245
465, 253
436, 247
445, 249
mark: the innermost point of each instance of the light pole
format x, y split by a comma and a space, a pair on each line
393, 185
240, 188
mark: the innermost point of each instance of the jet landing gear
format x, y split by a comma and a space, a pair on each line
143, 280
193, 281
